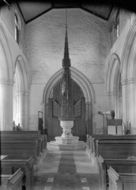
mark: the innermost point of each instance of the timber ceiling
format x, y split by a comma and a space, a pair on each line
31, 10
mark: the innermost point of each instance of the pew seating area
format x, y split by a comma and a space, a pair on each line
116, 156
12, 181
121, 173
22, 150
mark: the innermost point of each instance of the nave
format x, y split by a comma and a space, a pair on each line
66, 170
67, 75
106, 162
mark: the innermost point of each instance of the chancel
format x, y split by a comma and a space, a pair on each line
66, 113
67, 96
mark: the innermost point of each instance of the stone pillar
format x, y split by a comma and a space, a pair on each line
111, 99
132, 105
129, 103
124, 101
6, 105
24, 97
89, 118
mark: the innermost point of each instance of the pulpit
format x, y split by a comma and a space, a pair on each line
114, 127
111, 125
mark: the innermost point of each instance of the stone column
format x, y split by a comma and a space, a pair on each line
6, 105
124, 101
129, 103
24, 108
111, 99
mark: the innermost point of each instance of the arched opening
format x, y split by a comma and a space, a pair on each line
20, 95
129, 78
17, 97
114, 85
86, 89
17, 28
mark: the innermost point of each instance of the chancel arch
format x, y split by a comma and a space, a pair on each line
86, 87
20, 94
113, 84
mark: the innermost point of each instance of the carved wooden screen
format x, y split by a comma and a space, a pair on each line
52, 117
78, 108
55, 109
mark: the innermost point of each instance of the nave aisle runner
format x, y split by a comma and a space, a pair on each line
66, 170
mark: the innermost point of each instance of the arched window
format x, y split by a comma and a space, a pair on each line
115, 27
117, 24
17, 28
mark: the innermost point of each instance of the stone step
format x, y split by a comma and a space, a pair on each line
80, 145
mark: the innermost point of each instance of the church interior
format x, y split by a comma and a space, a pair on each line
67, 96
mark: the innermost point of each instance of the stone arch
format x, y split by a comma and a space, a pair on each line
20, 63
112, 70
129, 56
21, 88
81, 80
113, 83
84, 84
129, 77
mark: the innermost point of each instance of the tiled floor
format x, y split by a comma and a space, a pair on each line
66, 170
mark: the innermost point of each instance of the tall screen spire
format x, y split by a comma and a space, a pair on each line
66, 108
66, 59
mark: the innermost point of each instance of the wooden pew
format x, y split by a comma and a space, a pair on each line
11, 181
19, 145
90, 148
23, 148
12, 163
25, 135
120, 173
116, 152
121, 181
110, 146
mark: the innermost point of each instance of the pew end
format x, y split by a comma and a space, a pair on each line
12, 181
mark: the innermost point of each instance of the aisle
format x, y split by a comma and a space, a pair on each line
66, 170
